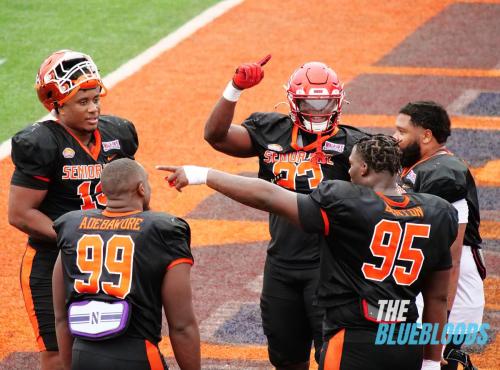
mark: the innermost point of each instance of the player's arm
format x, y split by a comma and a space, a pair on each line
456, 257
435, 293
255, 193
64, 337
220, 133
34, 153
24, 214
182, 325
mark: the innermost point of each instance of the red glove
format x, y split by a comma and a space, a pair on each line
250, 74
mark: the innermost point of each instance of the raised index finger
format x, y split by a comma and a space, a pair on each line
264, 60
167, 168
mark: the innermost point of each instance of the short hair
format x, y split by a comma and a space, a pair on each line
381, 153
120, 176
429, 115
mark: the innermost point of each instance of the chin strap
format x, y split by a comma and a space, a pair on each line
318, 156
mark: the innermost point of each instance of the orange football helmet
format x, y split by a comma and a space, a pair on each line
315, 96
62, 74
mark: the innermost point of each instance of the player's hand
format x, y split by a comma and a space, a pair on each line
250, 74
181, 177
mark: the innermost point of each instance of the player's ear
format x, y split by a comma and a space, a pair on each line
141, 190
426, 136
364, 169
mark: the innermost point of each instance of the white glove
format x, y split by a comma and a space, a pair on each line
196, 175
431, 365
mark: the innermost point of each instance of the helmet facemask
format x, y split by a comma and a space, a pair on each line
317, 115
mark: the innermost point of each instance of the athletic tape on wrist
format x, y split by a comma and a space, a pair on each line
231, 93
196, 175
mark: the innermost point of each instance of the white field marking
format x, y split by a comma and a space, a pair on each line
209, 326
462, 101
2, 61
168, 42
255, 285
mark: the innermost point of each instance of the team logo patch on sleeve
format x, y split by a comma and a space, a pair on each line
109, 145
339, 148
68, 153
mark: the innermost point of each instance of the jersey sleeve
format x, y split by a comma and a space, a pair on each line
267, 128
353, 135
175, 234
64, 227
310, 214
445, 182
34, 153
323, 206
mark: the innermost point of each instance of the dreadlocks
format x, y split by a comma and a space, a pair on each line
381, 153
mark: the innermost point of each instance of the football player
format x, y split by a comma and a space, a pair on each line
296, 151
58, 165
116, 269
380, 245
422, 129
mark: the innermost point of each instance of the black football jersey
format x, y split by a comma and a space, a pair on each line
48, 157
378, 247
110, 256
448, 177
288, 157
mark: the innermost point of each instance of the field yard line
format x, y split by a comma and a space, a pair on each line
168, 42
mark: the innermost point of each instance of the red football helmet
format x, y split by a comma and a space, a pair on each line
62, 74
315, 95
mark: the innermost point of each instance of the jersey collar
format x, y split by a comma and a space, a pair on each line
442, 150
95, 150
119, 214
393, 203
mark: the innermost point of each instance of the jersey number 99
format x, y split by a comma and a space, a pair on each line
118, 261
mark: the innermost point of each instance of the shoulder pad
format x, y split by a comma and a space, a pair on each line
35, 149
122, 129
330, 192
269, 128
444, 176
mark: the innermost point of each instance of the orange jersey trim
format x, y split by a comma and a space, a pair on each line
27, 265
179, 261
42, 178
440, 151
119, 214
389, 201
153, 354
325, 221
333, 355
96, 148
